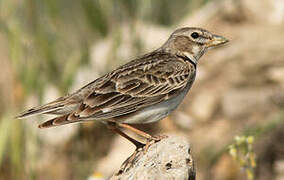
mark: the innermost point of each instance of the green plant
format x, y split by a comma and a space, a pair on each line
242, 152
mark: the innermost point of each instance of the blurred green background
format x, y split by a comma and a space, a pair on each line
51, 47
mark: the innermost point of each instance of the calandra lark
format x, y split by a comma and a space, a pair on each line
145, 90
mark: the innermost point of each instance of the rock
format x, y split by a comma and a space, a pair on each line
169, 158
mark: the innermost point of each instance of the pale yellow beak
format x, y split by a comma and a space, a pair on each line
217, 40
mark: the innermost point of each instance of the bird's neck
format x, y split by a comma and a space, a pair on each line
193, 56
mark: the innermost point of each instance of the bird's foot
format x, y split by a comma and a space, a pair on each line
153, 140
128, 163
140, 147
157, 138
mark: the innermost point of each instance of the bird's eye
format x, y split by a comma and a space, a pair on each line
194, 35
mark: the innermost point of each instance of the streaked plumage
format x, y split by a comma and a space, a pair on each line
144, 90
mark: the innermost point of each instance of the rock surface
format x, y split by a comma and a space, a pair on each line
169, 158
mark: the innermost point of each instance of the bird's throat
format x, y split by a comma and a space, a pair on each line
192, 60
191, 57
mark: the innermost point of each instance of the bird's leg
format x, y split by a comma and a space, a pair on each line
113, 127
137, 131
149, 138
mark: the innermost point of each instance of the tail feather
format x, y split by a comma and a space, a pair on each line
40, 110
59, 107
65, 119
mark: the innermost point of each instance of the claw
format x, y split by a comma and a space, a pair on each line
153, 140
159, 137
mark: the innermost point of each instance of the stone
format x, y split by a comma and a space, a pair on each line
169, 158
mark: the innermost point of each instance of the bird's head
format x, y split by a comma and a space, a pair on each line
192, 42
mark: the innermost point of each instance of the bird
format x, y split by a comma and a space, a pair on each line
144, 90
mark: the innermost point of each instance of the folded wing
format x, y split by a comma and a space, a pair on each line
130, 88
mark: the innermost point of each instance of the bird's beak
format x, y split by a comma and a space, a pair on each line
217, 40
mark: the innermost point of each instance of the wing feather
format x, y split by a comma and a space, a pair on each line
140, 83
136, 87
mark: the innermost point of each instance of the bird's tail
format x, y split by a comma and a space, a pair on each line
61, 120
58, 107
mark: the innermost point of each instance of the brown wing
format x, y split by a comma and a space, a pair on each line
130, 88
